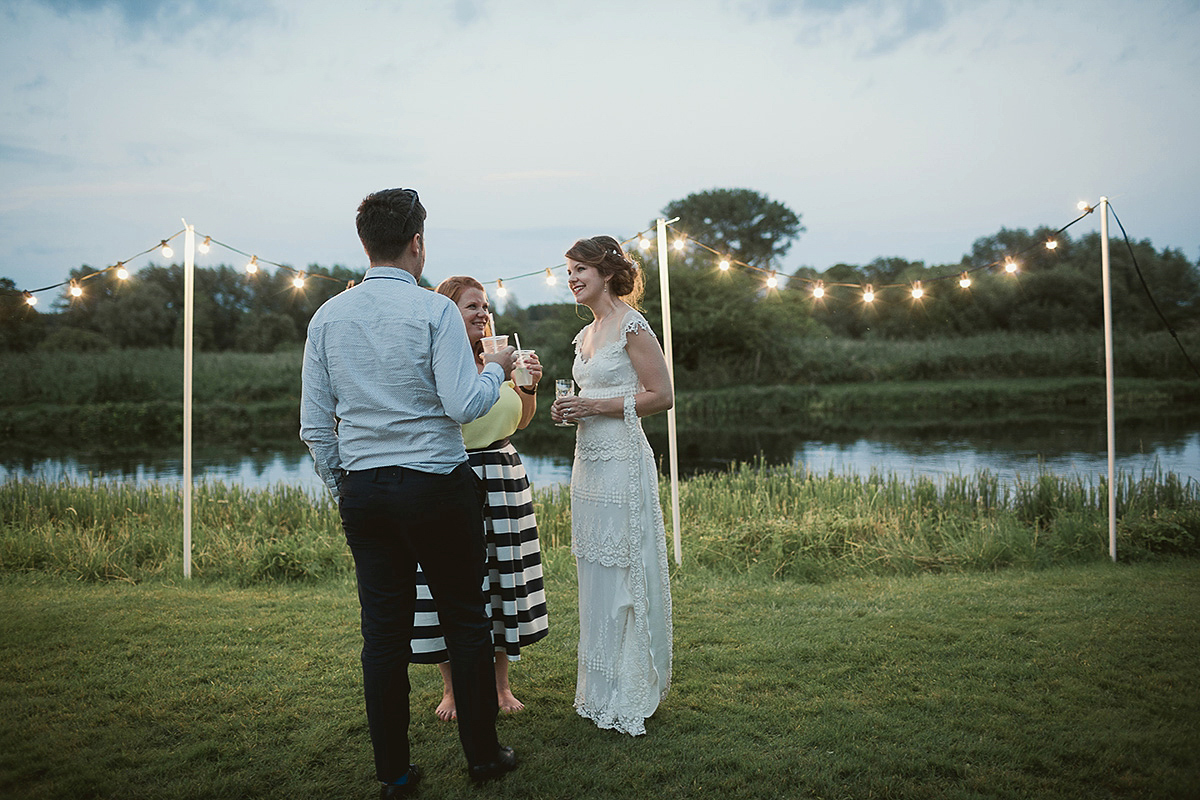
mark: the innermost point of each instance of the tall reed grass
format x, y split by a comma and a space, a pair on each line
779, 522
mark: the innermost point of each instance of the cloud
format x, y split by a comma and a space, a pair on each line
142, 15
468, 12
886, 25
32, 156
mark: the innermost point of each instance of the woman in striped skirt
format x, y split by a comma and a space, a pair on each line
513, 585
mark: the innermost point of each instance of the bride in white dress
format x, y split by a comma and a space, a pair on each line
617, 532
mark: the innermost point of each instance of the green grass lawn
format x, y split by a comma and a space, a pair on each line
1066, 682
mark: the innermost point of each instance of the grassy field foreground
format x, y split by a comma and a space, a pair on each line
1069, 682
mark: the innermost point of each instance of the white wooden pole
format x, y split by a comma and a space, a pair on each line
1108, 381
664, 285
189, 303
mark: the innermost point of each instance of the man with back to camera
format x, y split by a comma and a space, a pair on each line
388, 380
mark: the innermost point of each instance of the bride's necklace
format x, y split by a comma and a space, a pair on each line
599, 326
599, 322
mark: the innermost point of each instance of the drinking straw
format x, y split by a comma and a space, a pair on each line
517, 336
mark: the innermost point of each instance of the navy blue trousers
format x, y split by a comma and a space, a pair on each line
395, 517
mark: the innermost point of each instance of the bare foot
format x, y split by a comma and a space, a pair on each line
446, 710
508, 703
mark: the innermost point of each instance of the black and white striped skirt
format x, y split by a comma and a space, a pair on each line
513, 584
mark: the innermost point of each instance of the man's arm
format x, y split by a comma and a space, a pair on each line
465, 392
318, 423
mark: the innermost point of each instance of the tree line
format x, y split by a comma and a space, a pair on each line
727, 327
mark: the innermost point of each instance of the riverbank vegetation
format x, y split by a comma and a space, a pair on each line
776, 522
138, 394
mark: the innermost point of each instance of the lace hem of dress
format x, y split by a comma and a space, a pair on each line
608, 720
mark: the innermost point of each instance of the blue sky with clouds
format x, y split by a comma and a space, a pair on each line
905, 128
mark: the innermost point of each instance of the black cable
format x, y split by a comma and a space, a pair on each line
1142, 278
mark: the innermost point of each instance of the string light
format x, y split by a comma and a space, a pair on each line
644, 242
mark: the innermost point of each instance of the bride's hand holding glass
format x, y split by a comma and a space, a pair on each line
567, 408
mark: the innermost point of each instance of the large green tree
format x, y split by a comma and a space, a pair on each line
741, 222
727, 327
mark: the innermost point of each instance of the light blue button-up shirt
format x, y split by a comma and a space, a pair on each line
389, 378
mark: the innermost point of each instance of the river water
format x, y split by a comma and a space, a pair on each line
1016, 449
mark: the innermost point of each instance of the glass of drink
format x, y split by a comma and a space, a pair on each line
494, 344
520, 373
564, 387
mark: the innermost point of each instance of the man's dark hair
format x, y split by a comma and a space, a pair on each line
387, 222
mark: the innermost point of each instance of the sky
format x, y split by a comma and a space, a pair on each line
904, 128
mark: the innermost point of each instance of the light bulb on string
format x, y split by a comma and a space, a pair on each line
166, 250
1085, 207
1051, 244
252, 266
723, 264
679, 243
868, 294
122, 273
1010, 266
772, 280
206, 245
30, 300
501, 291
643, 242
550, 279
819, 290
76, 290
965, 281
298, 281
917, 292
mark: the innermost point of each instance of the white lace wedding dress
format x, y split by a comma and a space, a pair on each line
620, 549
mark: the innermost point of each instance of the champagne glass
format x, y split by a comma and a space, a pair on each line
564, 387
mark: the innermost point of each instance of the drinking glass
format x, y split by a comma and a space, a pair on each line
564, 387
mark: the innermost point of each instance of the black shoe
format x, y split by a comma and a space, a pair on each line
391, 790
506, 761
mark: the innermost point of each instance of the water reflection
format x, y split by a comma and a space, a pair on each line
1015, 448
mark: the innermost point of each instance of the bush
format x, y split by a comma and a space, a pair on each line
75, 340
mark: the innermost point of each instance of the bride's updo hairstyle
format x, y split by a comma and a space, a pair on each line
606, 255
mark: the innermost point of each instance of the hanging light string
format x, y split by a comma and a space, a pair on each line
548, 272
819, 287
121, 268
1146, 288
298, 276
725, 261
76, 290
